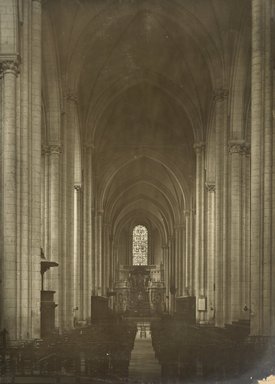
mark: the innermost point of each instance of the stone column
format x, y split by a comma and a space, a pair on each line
210, 186
8, 282
115, 262
66, 267
192, 251
105, 258
187, 260
35, 138
197, 224
181, 257
112, 264
52, 223
268, 220
54, 151
88, 265
77, 251
200, 270
220, 99
90, 228
172, 282
112, 278
28, 276
235, 151
226, 231
261, 169
169, 259
23, 183
273, 207
166, 274
1, 165
245, 233
177, 260
98, 255
45, 201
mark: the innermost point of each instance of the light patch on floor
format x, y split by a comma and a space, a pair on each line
270, 379
144, 367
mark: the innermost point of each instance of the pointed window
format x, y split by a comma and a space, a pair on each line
140, 245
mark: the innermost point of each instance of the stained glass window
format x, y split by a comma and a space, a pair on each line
140, 245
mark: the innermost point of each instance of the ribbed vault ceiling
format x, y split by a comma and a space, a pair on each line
144, 73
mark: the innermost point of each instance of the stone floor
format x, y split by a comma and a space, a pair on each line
144, 367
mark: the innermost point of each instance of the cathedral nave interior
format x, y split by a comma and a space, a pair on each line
137, 190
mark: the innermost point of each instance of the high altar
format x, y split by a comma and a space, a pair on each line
140, 290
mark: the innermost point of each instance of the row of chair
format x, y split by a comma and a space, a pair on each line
100, 350
191, 352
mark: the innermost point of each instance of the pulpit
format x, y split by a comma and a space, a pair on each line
47, 313
47, 317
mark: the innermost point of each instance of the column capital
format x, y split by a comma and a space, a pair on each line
186, 212
89, 146
220, 94
199, 147
44, 150
54, 149
9, 65
71, 96
77, 187
210, 186
237, 146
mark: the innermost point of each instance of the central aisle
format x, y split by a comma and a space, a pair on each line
144, 367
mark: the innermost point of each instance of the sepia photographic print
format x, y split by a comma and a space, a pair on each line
137, 191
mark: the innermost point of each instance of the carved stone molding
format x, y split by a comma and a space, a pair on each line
54, 149
45, 150
89, 146
10, 66
246, 150
199, 147
239, 147
39, 2
71, 96
220, 94
210, 186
